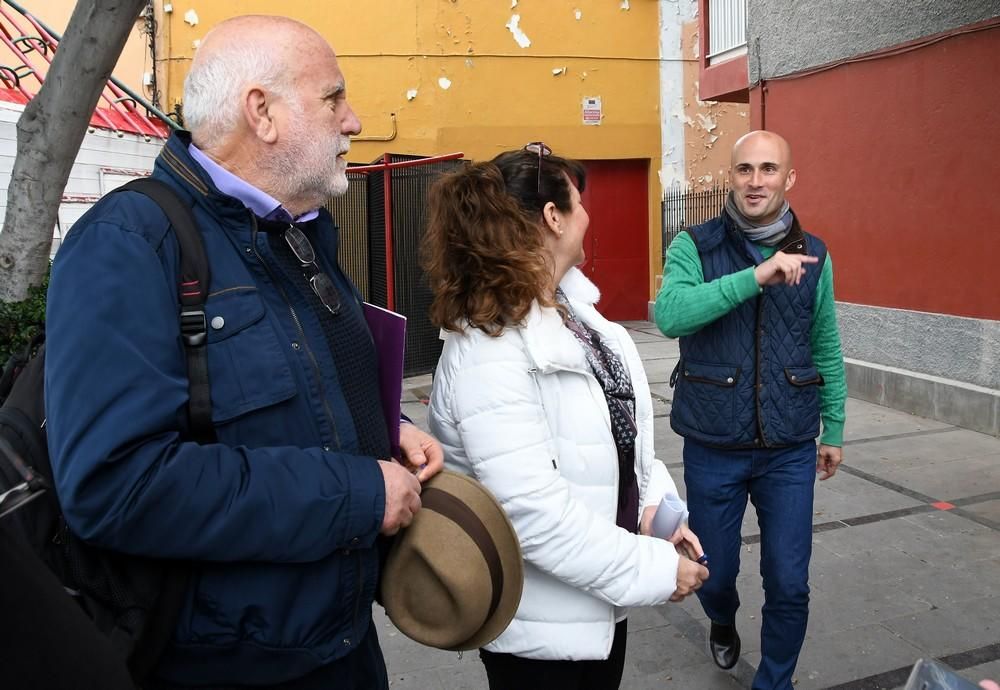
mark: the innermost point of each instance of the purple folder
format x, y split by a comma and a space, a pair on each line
389, 333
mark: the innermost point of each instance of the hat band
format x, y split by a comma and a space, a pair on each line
458, 512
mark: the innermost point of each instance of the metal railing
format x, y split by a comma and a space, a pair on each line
382, 219
32, 44
727, 28
681, 208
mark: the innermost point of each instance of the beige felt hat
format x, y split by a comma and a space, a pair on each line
453, 578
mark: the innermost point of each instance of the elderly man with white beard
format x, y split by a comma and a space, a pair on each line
279, 511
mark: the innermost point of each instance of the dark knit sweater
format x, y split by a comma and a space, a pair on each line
349, 340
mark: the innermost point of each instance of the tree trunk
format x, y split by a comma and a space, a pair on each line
50, 132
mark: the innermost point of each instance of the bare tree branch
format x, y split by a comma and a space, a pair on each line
50, 132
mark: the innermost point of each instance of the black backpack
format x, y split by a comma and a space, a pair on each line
134, 601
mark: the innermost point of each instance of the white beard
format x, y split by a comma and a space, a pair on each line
307, 167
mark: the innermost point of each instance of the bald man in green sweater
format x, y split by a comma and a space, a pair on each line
761, 374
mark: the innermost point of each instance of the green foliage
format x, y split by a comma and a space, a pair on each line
20, 321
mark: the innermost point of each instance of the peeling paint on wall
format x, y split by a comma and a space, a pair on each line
558, 70
673, 118
519, 36
191, 17
677, 112
669, 176
706, 122
710, 128
625, 5
415, 46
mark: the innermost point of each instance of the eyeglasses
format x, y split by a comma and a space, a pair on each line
542, 149
320, 282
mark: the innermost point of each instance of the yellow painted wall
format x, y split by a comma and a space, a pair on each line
501, 95
55, 14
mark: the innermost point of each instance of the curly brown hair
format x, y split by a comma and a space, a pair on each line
483, 250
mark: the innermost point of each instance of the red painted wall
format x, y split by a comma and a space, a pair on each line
617, 241
898, 163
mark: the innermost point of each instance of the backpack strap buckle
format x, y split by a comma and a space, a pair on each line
194, 327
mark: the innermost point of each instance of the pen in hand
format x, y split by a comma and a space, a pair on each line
687, 549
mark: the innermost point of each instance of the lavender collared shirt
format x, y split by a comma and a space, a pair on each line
261, 203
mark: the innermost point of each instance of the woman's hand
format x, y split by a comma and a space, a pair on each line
422, 454
687, 543
690, 577
646, 521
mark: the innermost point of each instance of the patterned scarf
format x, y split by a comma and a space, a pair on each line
769, 235
615, 382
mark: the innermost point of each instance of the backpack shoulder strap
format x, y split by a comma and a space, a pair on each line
193, 285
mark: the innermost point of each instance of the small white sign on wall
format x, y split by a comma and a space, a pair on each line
592, 110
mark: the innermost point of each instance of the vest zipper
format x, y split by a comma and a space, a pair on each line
298, 326
757, 387
357, 598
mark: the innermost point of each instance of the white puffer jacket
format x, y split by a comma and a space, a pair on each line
524, 415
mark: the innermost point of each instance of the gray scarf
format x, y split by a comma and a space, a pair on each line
769, 235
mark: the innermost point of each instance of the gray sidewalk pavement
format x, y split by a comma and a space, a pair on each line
906, 563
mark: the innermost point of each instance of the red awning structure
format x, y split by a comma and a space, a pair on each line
32, 45
104, 118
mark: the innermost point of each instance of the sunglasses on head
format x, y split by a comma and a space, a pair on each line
542, 149
320, 282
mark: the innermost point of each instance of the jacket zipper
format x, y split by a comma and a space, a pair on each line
592, 380
298, 326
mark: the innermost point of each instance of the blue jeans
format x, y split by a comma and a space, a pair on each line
780, 484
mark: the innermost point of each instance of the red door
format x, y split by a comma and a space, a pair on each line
617, 243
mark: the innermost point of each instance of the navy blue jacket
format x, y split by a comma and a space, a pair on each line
747, 379
280, 515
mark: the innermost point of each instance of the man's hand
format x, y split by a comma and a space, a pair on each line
827, 460
421, 452
783, 268
402, 496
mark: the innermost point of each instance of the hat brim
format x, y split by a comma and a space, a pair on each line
399, 598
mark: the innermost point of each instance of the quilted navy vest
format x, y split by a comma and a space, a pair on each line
747, 379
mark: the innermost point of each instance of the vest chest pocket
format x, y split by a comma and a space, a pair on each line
247, 368
804, 376
706, 397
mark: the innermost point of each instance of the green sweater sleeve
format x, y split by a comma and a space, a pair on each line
686, 303
829, 359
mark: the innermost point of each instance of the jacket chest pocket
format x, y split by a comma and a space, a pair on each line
247, 368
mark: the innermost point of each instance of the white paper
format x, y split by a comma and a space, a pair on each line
669, 516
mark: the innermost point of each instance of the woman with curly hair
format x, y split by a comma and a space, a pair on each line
545, 402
